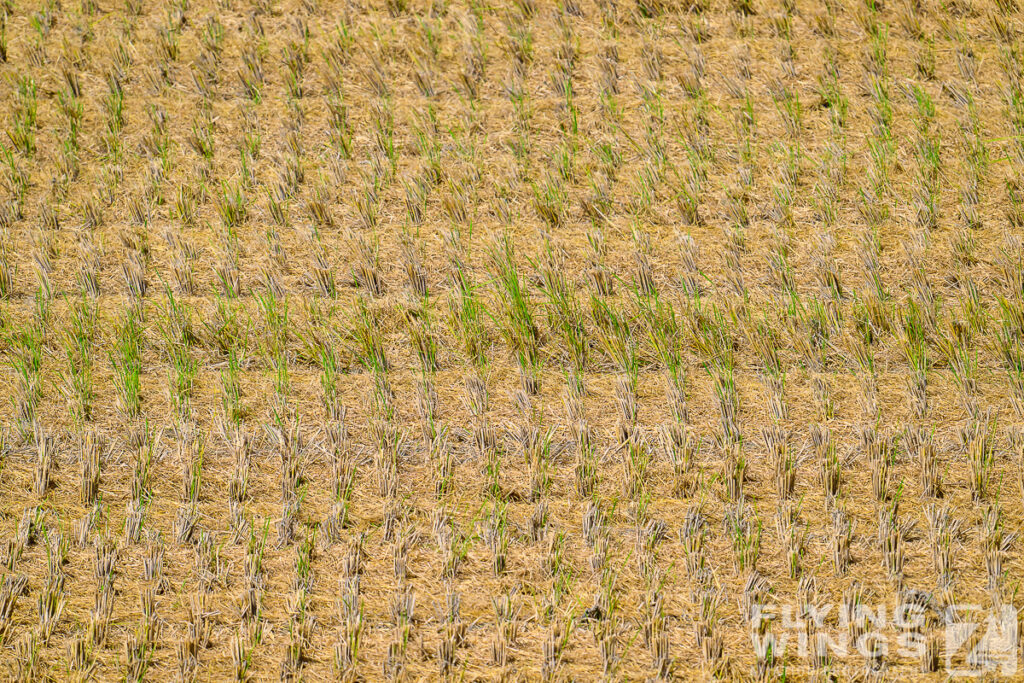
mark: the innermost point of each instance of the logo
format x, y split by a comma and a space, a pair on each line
977, 641
981, 641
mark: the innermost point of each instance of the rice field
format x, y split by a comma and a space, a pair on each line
632, 340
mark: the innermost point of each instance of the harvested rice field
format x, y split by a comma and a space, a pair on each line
411, 340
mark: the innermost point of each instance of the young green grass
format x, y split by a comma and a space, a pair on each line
77, 342
517, 324
126, 360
